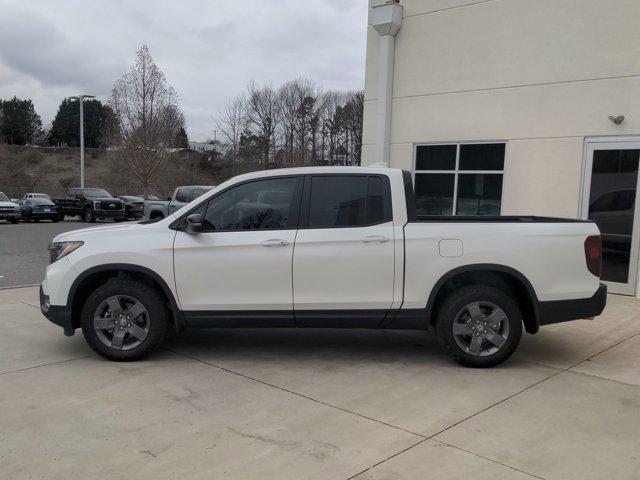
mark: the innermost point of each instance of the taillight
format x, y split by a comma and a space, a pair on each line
593, 254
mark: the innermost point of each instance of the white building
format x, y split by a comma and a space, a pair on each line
504, 106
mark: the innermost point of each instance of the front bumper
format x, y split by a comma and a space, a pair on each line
566, 310
58, 315
101, 214
9, 215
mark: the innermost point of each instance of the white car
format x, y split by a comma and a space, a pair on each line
36, 195
323, 247
9, 210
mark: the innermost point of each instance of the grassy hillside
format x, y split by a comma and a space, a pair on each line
53, 170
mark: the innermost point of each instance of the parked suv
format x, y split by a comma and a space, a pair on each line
9, 211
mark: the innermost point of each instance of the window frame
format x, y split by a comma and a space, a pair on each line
457, 171
305, 211
180, 223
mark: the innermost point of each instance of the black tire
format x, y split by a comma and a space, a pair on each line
450, 311
15, 220
89, 217
55, 220
150, 299
118, 220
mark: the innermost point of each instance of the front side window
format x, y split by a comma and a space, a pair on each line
459, 179
348, 201
269, 204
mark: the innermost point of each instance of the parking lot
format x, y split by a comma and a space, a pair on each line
23, 250
325, 404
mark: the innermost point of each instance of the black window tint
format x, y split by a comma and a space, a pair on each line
348, 201
479, 194
338, 201
375, 201
436, 157
434, 193
482, 156
261, 205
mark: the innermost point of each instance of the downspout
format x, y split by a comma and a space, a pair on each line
387, 20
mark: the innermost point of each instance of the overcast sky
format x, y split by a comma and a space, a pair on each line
208, 49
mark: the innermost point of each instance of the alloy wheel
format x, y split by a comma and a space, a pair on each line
121, 322
481, 328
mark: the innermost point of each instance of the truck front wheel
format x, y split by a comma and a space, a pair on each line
479, 326
89, 217
124, 320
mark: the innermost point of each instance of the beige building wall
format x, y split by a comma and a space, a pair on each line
542, 75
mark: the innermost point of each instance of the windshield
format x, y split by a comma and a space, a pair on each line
4, 198
41, 195
40, 201
96, 193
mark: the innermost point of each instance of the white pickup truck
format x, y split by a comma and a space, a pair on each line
323, 247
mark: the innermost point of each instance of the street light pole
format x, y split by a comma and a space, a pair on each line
80, 99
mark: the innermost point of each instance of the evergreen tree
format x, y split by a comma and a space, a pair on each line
19, 122
99, 124
182, 140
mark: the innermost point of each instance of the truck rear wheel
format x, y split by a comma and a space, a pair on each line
124, 320
479, 326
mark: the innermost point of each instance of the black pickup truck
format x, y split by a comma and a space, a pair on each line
90, 204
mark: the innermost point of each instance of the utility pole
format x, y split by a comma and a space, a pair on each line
80, 99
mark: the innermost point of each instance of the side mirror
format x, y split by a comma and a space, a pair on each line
168, 199
194, 224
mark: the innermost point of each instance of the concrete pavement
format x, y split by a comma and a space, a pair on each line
297, 404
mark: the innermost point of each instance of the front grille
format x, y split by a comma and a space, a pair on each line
6, 209
111, 206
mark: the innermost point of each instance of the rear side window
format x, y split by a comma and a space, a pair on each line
348, 201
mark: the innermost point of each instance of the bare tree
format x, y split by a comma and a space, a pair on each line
231, 122
149, 117
262, 114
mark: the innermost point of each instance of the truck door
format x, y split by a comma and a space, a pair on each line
239, 268
343, 262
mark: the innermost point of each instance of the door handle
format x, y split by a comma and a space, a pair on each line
276, 242
375, 239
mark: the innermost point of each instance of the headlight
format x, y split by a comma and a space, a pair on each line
96, 205
58, 250
16, 208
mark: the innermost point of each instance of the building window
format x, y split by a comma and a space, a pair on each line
459, 179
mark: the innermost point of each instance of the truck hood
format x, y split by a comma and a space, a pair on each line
8, 204
83, 233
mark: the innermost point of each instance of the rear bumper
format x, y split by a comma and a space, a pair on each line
58, 315
566, 310
43, 215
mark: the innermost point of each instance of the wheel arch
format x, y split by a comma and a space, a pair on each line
93, 277
499, 276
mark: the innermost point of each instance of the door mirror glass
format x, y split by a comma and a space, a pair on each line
194, 224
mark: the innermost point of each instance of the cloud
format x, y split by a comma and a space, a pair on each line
208, 49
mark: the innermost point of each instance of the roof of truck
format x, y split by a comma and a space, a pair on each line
312, 170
